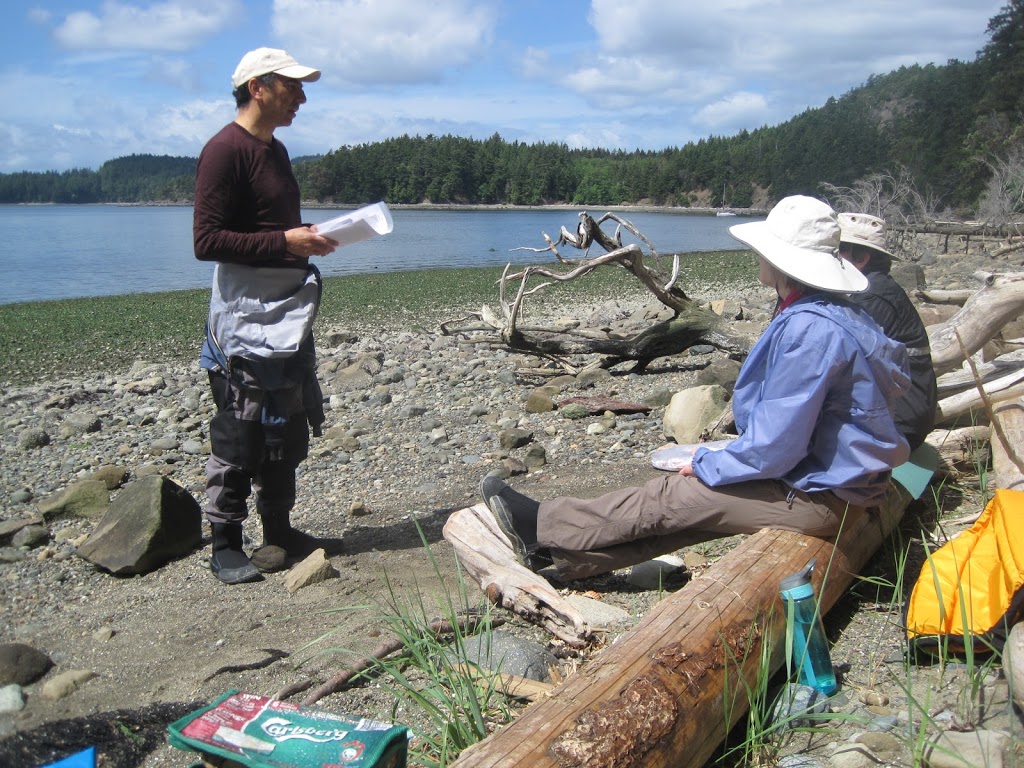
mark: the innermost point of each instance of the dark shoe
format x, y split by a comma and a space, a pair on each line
229, 562
506, 523
527, 555
278, 533
521, 509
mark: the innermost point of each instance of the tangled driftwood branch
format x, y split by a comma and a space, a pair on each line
689, 325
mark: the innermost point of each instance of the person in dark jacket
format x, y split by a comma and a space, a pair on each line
862, 241
259, 343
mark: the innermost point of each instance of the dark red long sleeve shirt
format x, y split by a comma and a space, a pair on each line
246, 197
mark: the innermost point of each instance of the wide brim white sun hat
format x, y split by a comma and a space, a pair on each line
800, 238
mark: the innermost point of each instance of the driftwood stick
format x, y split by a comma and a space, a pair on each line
939, 296
437, 628
1005, 388
997, 426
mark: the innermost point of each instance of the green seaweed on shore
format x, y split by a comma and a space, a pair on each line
51, 340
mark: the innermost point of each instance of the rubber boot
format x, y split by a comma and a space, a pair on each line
229, 562
271, 557
278, 532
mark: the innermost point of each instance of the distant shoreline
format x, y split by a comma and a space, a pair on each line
313, 205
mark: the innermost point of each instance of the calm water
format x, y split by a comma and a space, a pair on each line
56, 252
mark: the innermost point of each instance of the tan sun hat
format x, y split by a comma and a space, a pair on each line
863, 229
800, 238
263, 61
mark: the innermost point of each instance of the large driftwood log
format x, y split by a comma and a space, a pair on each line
486, 553
667, 692
1000, 300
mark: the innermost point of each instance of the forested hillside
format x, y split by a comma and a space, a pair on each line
953, 131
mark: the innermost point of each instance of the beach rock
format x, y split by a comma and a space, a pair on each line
146, 386
313, 570
653, 574
955, 749
22, 664
540, 402
9, 528
510, 439
151, 521
504, 652
31, 536
692, 411
30, 439
66, 683
86, 499
723, 372
113, 477
11, 699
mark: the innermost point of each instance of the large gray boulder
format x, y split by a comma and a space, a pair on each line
151, 521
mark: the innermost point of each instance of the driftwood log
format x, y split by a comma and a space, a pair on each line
961, 451
1000, 300
1008, 447
668, 691
1013, 660
486, 553
690, 324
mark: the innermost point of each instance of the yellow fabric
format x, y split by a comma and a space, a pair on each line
977, 574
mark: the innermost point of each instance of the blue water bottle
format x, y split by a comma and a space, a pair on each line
807, 635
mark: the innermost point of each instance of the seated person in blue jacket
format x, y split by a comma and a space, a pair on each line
813, 407
862, 242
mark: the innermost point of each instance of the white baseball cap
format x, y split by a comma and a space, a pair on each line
263, 61
800, 238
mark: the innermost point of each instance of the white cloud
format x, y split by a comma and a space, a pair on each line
536, 63
170, 26
739, 109
386, 41
802, 50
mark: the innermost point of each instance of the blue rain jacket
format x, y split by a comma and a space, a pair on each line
813, 405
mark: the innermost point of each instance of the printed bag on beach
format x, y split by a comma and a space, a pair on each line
259, 732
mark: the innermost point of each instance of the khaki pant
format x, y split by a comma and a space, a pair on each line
631, 525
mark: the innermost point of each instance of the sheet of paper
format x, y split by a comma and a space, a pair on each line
353, 226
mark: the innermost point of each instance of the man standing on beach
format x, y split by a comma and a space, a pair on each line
259, 343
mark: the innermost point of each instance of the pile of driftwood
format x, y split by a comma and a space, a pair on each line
678, 681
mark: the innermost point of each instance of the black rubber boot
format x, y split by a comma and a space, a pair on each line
284, 545
229, 562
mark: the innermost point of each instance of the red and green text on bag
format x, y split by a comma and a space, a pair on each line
258, 732
973, 586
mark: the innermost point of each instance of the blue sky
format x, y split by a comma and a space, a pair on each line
86, 81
